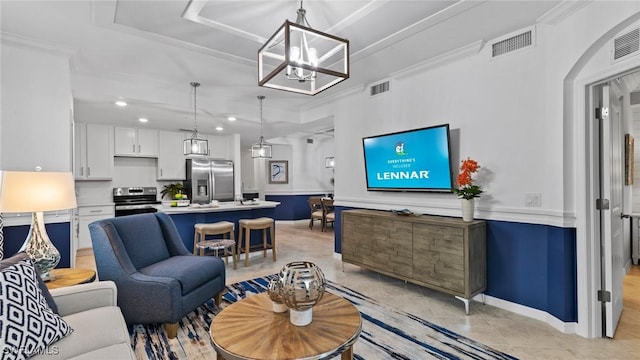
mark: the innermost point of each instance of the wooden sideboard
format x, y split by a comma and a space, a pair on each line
442, 253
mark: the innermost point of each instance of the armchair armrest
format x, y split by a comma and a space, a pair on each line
77, 298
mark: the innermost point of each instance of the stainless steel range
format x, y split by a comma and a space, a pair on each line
135, 200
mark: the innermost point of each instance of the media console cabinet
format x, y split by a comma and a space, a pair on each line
441, 253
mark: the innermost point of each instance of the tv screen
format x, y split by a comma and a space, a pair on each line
412, 160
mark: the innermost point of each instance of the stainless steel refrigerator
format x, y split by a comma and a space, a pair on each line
209, 179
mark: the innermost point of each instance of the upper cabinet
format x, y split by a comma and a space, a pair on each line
93, 158
171, 159
135, 142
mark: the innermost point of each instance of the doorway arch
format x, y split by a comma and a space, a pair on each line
578, 184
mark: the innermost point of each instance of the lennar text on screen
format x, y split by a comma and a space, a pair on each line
398, 175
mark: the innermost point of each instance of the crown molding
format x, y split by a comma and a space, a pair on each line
21, 41
446, 58
562, 11
104, 14
426, 23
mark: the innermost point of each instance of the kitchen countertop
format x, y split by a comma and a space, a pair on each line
231, 206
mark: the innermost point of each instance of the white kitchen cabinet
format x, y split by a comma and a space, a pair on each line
87, 215
171, 159
135, 142
93, 158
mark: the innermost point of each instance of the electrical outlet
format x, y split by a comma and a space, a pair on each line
533, 200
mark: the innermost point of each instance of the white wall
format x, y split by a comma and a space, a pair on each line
506, 113
307, 173
36, 110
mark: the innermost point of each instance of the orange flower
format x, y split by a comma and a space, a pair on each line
466, 189
469, 165
464, 178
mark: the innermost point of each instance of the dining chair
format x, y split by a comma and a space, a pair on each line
328, 215
317, 213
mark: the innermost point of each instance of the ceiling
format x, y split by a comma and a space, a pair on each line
147, 53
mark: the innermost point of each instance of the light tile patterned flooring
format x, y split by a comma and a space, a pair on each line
517, 335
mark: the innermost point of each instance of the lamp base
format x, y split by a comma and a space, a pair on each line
48, 276
39, 247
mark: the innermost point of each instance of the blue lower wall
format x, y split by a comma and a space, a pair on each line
59, 234
528, 264
292, 207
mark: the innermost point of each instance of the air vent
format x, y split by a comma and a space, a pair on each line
626, 44
512, 44
376, 89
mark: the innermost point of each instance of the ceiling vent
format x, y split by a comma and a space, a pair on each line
380, 88
512, 43
626, 44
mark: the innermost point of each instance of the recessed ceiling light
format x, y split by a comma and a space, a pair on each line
219, 128
121, 103
143, 120
231, 118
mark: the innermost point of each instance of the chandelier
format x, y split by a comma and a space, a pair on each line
300, 59
195, 145
261, 149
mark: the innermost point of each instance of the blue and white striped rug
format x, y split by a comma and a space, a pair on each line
387, 333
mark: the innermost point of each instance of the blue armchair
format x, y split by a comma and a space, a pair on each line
158, 280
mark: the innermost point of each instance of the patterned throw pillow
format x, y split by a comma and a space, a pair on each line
27, 323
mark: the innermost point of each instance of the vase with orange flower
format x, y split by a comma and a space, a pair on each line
467, 190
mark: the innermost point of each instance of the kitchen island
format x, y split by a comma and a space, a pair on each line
186, 217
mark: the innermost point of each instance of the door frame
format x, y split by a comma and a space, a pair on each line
586, 191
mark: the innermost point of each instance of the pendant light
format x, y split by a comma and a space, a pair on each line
300, 59
195, 145
261, 149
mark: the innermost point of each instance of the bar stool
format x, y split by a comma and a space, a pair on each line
224, 228
244, 235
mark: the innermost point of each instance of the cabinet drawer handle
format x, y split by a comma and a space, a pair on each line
81, 170
139, 148
133, 147
88, 171
95, 211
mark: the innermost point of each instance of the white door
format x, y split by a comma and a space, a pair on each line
611, 183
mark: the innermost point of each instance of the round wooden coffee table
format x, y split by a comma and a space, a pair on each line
249, 329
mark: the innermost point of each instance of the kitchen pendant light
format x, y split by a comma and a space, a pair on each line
300, 59
261, 149
195, 145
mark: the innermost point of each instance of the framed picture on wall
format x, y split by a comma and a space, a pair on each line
278, 172
628, 159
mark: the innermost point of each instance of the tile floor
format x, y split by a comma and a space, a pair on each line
517, 335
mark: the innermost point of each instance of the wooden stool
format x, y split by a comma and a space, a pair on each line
244, 235
224, 228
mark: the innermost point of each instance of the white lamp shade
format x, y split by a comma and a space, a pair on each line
30, 191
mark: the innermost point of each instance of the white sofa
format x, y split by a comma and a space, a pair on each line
100, 331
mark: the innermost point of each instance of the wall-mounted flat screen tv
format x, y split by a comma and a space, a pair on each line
412, 160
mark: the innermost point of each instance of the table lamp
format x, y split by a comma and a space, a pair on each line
36, 192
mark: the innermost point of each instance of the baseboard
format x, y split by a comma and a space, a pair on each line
564, 327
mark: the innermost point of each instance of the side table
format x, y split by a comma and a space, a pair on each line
68, 277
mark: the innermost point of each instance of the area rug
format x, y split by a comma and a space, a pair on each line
387, 333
